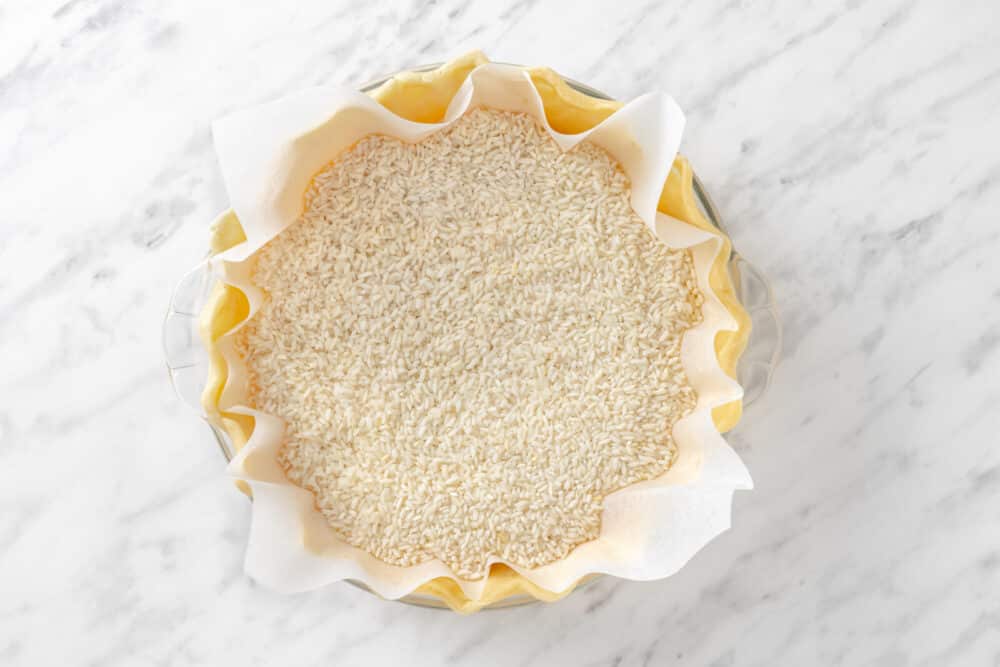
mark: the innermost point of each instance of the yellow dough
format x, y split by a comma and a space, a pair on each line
424, 97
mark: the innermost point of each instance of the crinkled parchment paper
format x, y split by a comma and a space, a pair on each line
269, 154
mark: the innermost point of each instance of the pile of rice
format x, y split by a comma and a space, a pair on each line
473, 340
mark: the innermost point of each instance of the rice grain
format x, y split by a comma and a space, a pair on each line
473, 340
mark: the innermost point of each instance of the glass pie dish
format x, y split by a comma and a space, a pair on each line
188, 361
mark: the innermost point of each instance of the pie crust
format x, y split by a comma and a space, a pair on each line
424, 97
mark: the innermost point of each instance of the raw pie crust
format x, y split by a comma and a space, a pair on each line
424, 97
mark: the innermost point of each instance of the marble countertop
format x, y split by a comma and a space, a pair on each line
852, 149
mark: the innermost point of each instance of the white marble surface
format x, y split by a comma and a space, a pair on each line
854, 149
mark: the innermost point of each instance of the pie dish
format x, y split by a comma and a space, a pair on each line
424, 97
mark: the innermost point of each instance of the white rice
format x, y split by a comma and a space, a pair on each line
474, 340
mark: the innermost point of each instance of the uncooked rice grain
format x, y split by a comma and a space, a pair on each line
473, 340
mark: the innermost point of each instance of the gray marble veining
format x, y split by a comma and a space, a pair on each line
853, 151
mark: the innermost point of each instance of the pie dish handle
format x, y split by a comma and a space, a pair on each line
757, 363
186, 357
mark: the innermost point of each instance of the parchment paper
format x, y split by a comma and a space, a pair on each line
268, 155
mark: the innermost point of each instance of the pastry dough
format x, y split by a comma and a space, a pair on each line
424, 97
